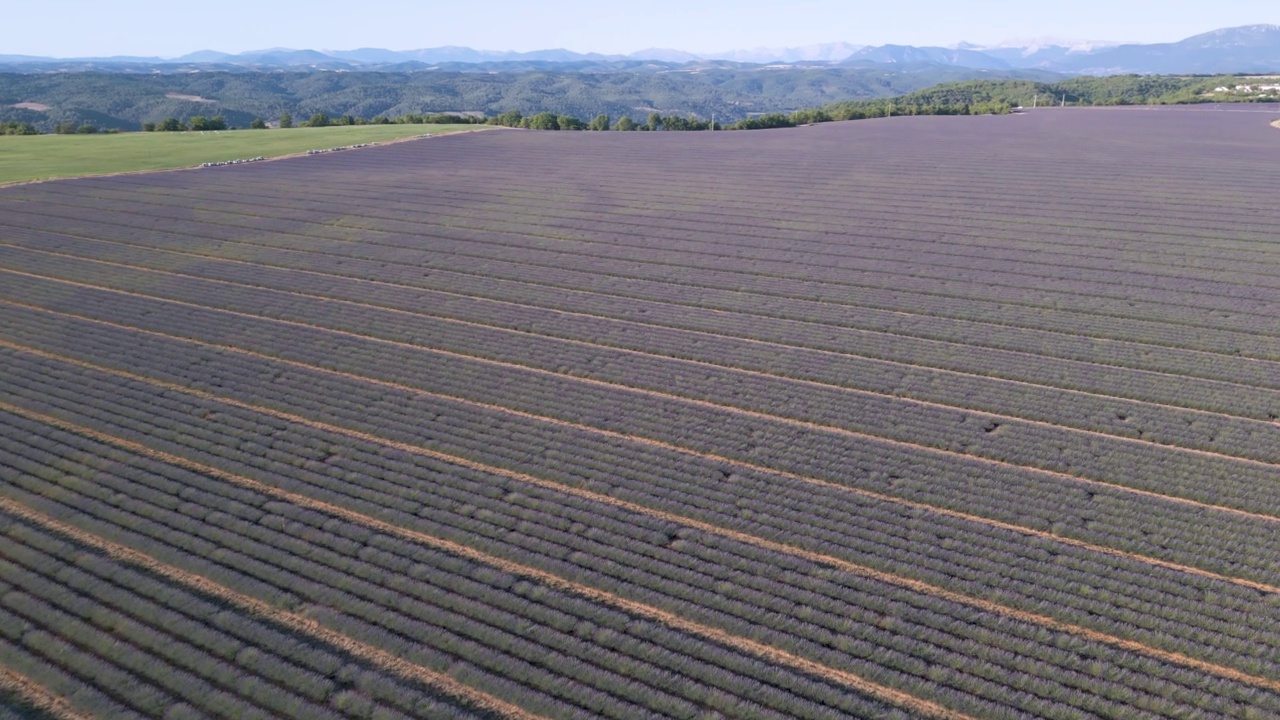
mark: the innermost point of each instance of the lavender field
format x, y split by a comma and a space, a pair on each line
954, 417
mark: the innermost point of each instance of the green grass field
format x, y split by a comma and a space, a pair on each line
41, 157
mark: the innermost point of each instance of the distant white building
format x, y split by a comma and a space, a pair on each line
1247, 89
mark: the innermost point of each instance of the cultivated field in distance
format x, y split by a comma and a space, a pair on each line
24, 158
954, 417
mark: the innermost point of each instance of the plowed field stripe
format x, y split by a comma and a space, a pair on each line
380, 658
672, 447
734, 535
37, 696
1075, 479
752, 647
667, 358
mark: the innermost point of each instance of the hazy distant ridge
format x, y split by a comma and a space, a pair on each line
1247, 49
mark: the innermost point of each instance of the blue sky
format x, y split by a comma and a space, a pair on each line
129, 27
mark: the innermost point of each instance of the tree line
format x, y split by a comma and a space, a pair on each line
18, 128
676, 123
196, 123
551, 121
544, 120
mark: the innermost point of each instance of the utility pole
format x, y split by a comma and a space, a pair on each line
1035, 100
1064, 99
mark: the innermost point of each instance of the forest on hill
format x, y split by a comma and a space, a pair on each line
736, 98
124, 102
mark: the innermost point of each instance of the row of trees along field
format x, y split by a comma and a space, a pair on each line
67, 128
18, 128
199, 122
286, 121
656, 121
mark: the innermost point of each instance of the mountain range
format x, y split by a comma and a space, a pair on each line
1247, 49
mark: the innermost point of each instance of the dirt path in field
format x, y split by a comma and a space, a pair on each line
639, 440
386, 660
747, 539
667, 358
37, 696
305, 626
938, 452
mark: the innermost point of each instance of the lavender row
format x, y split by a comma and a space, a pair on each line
774, 320
769, 278
973, 675
134, 643
810, 209
989, 304
1207, 395
491, 583
576, 456
1144, 466
752, 238
1233, 436
439, 603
